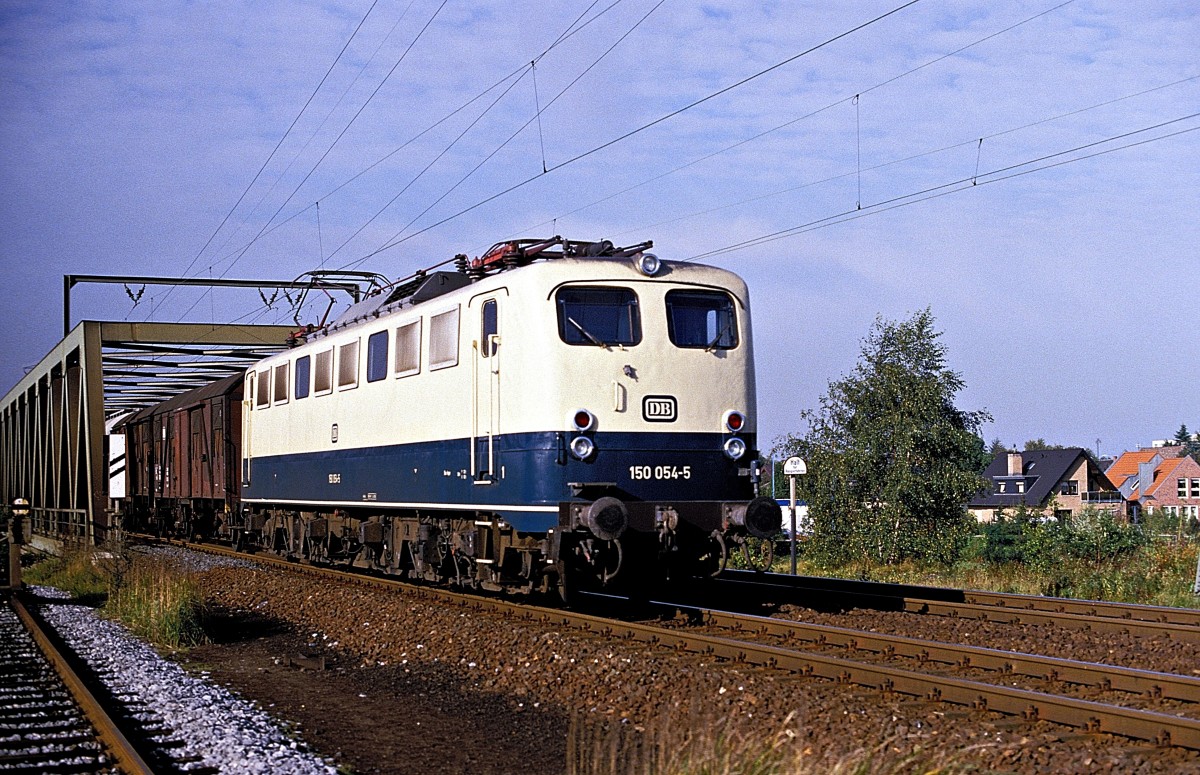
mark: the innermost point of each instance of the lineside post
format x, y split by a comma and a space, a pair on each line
16, 537
793, 467
1196, 586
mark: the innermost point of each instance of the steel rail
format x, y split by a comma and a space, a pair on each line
1151, 683
108, 732
1179, 624
1095, 717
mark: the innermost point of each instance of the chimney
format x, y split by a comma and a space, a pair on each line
1014, 463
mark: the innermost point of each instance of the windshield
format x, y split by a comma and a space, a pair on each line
598, 317
702, 319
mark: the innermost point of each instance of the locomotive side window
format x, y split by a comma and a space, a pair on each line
263, 398
323, 373
408, 349
489, 328
281, 383
443, 340
348, 365
303, 369
377, 356
701, 319
598, 316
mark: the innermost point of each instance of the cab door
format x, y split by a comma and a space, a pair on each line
247, 430
486, 354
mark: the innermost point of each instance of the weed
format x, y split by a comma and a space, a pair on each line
154, 601
691, 743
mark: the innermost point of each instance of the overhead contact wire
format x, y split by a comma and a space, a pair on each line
329, 114
962, 184
804, 117
893, 162
349, 124
574, 28
646, 126
274, 150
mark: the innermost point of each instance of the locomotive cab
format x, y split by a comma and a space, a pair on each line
650, 377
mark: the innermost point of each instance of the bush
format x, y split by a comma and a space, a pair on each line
75, 573
159, 604
150, 598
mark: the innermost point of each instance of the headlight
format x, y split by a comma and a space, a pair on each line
735, 421
583, 420
582, 447
648, 264
735, 448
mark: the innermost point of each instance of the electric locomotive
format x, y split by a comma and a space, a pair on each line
552, 414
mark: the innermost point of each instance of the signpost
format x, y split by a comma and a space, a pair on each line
793, 467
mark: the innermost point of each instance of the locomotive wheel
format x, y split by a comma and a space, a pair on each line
759, 553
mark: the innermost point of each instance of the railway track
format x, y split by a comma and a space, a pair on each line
878, 672
1181, 624
49, 720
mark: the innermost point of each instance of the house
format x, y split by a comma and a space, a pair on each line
1056, 482
1158, 478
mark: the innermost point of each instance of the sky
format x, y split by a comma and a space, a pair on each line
1028, 171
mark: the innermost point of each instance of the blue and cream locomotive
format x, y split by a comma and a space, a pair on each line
554, 413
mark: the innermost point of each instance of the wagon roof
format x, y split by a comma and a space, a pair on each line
191, 397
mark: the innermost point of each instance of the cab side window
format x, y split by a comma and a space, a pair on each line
489, 323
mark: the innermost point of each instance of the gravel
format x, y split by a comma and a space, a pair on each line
214, 728
616, 681
188, 561
1110, 648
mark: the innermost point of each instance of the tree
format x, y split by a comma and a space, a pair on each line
997, 449
1189, 441
1034, 445
892, 462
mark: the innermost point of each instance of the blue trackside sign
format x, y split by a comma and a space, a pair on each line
659, 409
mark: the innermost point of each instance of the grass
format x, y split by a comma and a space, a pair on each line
1160, 573
699, 744
159, 604
152, 599
74, 573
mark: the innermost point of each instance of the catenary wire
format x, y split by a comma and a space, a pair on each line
642, 128
993, 176
905, 159
325, 120
274, 150
511, 137
798, 119
573, 29
328, 150
349, 124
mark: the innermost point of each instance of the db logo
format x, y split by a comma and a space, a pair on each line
659, 408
